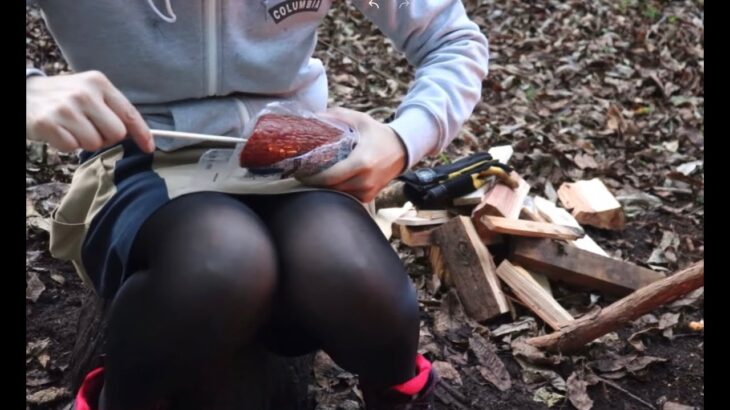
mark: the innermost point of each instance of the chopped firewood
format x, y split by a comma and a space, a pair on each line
588, 328
528, 215
572, 265
543, 281
519, 227
471, 269
501, 153
588, 244
415, 236
503, 201
488, 237
533, 295
386, 216
437, 264
552, 213
592, 204
529, 211
423, 217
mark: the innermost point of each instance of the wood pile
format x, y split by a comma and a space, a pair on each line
538, 243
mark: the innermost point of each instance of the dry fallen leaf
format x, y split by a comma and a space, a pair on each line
34, 287
58, 278
492, 368
633, 363
689, 168
665, 251
48, 396
638, 203
585, 161
669, 405
667, 322
577, 392
37, 346
43, 359
447, 372
450, 317
549, 398
535, 375
688, 299
46, 197
640, 363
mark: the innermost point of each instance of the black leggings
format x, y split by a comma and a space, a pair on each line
217, 273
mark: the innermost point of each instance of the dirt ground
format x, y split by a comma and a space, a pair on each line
581, 89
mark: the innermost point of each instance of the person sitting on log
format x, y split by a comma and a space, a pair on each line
198, 271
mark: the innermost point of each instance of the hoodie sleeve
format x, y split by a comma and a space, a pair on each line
450, 55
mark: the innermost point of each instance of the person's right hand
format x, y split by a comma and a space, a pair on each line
81, 110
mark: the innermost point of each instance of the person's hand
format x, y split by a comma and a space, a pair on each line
81, 110
378, 158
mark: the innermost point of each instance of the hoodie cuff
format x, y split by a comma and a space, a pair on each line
30, 72
419, 132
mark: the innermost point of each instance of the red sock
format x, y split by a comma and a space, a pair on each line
416, 384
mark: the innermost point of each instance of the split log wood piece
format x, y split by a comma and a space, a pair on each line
437, 264
532, 295
471, 269
531, 215
519, 227
586, 329
502, 201
415, 236
592, 204
423, 218
552, 213
567, 263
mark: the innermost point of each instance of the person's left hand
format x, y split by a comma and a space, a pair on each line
378, 158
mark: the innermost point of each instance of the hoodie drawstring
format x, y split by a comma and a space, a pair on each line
170, 19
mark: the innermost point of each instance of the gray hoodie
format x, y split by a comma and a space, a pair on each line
209, 65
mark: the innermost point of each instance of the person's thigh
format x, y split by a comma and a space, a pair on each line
207, 275
342, 287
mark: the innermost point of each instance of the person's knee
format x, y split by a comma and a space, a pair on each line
365, 295
217, 263
385, 297
225, 279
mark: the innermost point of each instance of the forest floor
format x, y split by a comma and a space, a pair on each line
580, 89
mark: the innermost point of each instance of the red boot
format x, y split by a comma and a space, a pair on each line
415, 394
89, 393
88, 396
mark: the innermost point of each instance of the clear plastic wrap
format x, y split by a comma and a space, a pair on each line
285, 140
